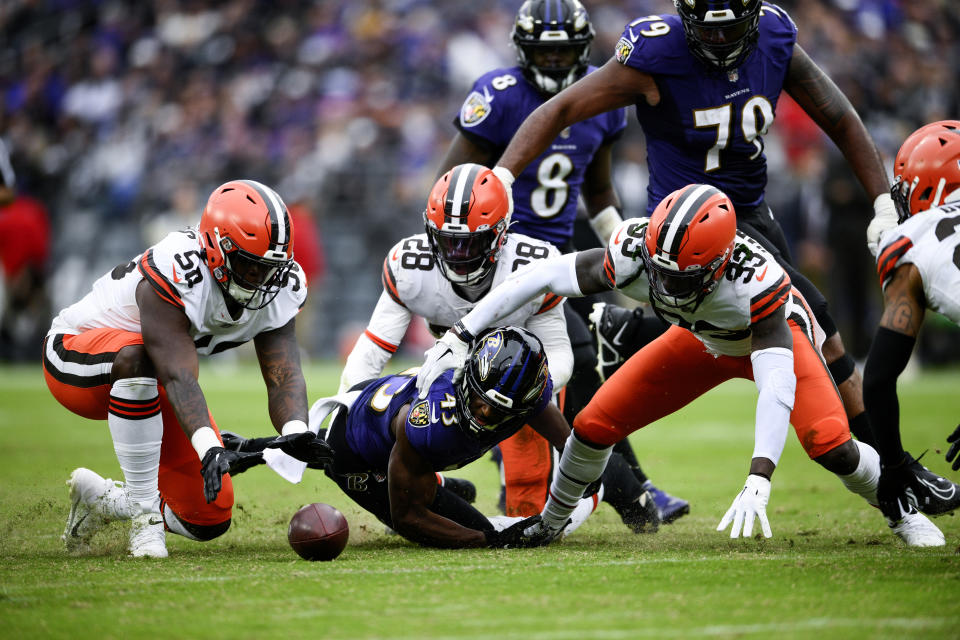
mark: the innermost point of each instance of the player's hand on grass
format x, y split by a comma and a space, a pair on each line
954, 439
450, 352
750, 503
218, 461
304, 446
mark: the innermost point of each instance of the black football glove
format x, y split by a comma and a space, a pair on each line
304, 446
954, 449
218, 461
514, 536
236, 442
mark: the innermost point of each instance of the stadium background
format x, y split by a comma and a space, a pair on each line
122, 116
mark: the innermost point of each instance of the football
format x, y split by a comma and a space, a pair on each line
318, 532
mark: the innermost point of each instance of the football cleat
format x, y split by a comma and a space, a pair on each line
640, 515
612, 327
94, 501
147, 536
932, 494
668, 507
916, 530
461, 487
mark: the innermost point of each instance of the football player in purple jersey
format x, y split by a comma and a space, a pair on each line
552, 40
705, 83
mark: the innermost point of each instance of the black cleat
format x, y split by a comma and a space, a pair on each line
641, 515
612, 327
461, 487
931, 494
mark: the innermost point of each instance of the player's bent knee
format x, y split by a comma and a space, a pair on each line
132, 361
205, 533
842, 459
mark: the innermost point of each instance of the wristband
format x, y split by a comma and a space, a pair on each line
462, 333
293, 426
504, 175
204, 439
605, 223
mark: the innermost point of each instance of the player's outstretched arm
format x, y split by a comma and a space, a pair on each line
412, 486
772, 359
571, 275
279, 358
823, 101
377, 344
903, 310
610, 87
551, 424
166, 337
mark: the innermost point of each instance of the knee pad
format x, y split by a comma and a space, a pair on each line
192, 530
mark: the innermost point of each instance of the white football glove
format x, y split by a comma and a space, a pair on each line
450, 352
885, 217
750, 502
507, 178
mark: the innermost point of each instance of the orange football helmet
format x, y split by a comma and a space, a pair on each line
927, 168
687, 244
466, 221
247, 236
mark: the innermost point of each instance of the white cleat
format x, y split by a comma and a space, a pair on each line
89, 496
147, 537
916, 530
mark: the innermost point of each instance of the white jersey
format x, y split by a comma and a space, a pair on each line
930, 241
752, 288
413, 284
178, 274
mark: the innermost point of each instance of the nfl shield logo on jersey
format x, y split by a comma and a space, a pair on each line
419, 414
623, 50
475, 109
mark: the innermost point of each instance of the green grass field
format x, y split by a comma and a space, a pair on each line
832, 568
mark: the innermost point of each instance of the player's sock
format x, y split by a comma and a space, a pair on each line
865, 478
860, 428
625, 449
136, 427
199, 533
584, 508
580, 465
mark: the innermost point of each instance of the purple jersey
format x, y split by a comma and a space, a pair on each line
545, 194
708, 126
432, 424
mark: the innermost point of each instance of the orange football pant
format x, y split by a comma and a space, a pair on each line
180, 479
673, 370
527, 464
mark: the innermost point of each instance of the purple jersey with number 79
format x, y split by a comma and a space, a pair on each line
708, 126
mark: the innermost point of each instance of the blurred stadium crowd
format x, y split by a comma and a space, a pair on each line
121, 116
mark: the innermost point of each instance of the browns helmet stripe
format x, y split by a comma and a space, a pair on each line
682, 212
279, 216
459, 191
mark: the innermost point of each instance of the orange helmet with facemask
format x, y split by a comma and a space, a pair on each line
687, 245
927, 168
466, 221
247, 236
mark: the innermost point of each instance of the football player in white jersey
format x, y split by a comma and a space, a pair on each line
440, 275
918, 263
734, 314
128, 352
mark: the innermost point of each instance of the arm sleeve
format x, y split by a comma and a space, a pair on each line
379, 342
551, 328
889, 354
776, 382
557, 275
